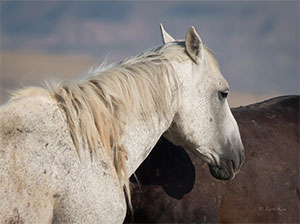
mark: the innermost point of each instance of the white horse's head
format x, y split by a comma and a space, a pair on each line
204, 123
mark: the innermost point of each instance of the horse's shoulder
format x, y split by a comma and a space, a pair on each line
27, 101
27, 114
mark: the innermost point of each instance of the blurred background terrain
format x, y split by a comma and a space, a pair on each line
256, 43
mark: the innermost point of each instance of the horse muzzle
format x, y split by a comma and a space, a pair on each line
228, 167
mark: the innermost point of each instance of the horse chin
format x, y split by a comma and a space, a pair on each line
225, 171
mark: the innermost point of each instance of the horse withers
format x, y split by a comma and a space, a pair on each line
67, 149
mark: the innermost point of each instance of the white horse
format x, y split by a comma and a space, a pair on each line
67, 149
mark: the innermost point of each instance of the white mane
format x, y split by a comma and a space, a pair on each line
98, 106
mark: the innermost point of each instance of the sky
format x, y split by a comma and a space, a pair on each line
255, 42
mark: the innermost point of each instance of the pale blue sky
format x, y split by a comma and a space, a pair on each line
256, 42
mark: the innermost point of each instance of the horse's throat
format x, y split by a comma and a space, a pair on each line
139, 139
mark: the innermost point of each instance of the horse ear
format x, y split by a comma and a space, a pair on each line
194, 45
165, 36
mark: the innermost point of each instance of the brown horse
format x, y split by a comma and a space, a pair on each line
265, 191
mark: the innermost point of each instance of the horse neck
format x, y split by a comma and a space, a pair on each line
140, 137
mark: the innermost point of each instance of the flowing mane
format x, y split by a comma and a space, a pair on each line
98, 106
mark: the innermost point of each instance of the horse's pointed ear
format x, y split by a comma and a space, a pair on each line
165, 36
193, 45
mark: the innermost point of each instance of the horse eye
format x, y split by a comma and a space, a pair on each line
223, 94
